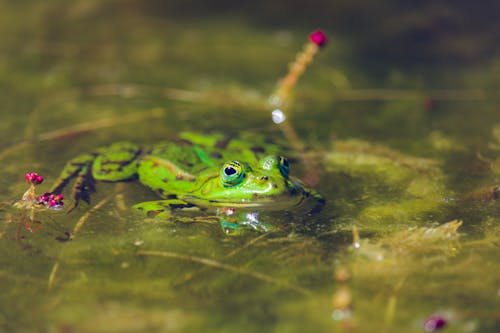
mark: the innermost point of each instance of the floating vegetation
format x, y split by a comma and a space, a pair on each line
220, 265
417, 184
407, 241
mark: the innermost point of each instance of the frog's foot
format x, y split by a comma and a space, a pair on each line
164, 208
80, 169
114, 163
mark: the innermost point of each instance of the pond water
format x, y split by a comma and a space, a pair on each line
401, 133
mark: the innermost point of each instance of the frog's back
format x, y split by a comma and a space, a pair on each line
173, 167
220, 147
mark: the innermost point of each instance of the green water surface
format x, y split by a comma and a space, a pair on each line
403, 130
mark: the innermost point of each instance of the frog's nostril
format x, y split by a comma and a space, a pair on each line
264, 178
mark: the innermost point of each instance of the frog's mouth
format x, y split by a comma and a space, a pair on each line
269, 203
297, 198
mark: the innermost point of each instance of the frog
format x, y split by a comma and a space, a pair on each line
226, 176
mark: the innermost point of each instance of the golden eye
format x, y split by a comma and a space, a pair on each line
231, 173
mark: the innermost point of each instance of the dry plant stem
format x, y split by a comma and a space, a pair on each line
85, 127
31, 123
14, 148
190, 276
399, 95
282, 99
285, 88
294, 140
390, 310
220, 265
8, 219
184, 95
99, 124
76, 229
32, 215
24, 279
248, 244
482, 243
206, 97
2, 232
120, 203
52, 275
91, 211
296, 70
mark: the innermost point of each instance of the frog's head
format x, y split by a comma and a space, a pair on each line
239, 184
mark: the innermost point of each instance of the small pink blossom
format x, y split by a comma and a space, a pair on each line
32, 202
33, 178
44, 198
434, 323
52, 201
318, 37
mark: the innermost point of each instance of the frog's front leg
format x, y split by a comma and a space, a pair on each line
80, 169
231, 221
117, 162
164, 208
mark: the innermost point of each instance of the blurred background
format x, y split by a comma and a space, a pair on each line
399, 112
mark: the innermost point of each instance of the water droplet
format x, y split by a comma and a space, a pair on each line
278, 116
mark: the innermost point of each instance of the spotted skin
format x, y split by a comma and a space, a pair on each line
204, 172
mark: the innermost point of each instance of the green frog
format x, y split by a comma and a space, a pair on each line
212, 173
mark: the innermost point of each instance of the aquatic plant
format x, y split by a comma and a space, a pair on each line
31, 202
434, 323
280, 100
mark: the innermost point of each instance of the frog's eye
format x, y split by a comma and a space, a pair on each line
232, 173
284, 166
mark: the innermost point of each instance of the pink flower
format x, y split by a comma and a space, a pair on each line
434, 323
318, 37
52, 201
33, 178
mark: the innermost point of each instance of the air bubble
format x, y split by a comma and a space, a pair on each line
278, 116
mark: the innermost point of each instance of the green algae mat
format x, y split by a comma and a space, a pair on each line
402, 141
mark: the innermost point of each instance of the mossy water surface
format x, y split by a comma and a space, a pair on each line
409, 169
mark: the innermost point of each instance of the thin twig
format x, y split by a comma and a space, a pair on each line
211, 97
85, 127
23, 279
190, 276
391, 307
8, 220
13, 148
99, 124
401, 94
87, 215
220, 265
248, 244
52, 275
77, 228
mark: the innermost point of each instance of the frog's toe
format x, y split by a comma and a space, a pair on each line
161, 208
152, 209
